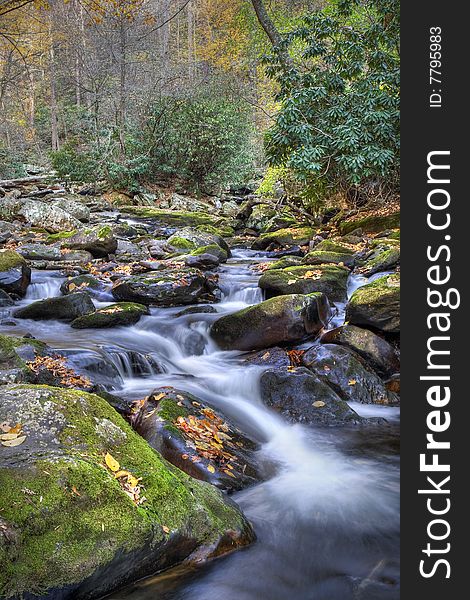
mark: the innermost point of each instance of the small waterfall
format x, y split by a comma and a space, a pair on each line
43, 286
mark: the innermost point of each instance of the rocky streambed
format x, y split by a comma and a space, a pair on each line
186, 383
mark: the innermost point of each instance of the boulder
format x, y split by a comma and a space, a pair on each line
323, 257
213, 249
197, 439
170, 287
81, 257
5, 299
15, 274
302, 397
259, 217
292, 236
98, 240
101, 508
82, 283
345, 372
329, 279
114, 315
284, 263
372, 348
77, 209
62, 308
189, 239
39, 252
382, 259
272, 357
377, 305
279, 320
370, 223
50, 218
202, 261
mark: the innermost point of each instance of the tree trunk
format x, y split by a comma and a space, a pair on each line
271, 31
122, 83
55, 144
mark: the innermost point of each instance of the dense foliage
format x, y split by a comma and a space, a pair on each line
338, 125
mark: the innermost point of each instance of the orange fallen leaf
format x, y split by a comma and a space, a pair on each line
111, 462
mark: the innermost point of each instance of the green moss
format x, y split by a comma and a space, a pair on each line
329, 246
283, 263
394, 235
9, 359
213, 249
318, 257
173, 217
182, 243
10, 259
291, 235
384, 242
104, 232
114, 315
371, 224
370, 293
63, 235
221, 231
77, 517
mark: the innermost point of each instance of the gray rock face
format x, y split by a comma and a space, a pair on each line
98, 240
76, 209
343, 370
165, 288
202, 261
301, 397
278, 320
50, 218
372, 348
15, 274
63, 308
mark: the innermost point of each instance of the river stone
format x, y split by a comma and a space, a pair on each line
377, 305
344, 371
302, 397
329, 279
273, 357
15, 274
82, 283
76, 209
38, 214
5, 299
114, 315
79, 535
299, 236
323, 257
170, 287
374, 349
156, 422
39, 252
76, 256
62, 308
279, 320
382, 259
6, 231
98, 240
202, 261
189, 239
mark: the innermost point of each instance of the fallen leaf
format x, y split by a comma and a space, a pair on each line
75, 491
8, 436
211, 469
352, 382
319, 404
15, 442
112, 463
120, 474
16, 429
185, 456
166, 529
5, 427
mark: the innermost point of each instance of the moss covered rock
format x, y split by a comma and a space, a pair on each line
190, 240
278, 320
323, 257
176, 218
99, 241
377, 305
215, 250
39, 252
82, 283
168, 287
225, 456
299, 236
332, 246
382, 259
371, 223
284, 263
62, 308
329, 279
114, 315
38, 214
81, 532
15, 275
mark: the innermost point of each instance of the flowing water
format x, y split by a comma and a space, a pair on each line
326, 518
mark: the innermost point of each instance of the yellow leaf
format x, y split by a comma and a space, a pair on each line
352, 382
211, 469
318, 404
8, 436
120, 474
132, 481
15, 442
16, 429
166, 529
112, 463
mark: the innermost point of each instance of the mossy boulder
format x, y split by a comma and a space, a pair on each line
189, 240
82, 283
15, 353
202, 261
279, 320
292, 236
39, 252
175, 218
77, 209
214, 249
120, 314
374, 349
78, 531
260, 217
377, 305
222, 456
323, 257
332, 246
99, 240
329, 279
15, 274
370, 223
284, 263
347, 374
38, 214
168, 287
62, 308
301, 396
382, 259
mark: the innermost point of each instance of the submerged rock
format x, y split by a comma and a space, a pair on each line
302, 397
100, 241
278, 320
329, 279
344, 371
374, 349
15, 274
377, 305
62, 308
114, 315
168, 287
197, 439
83, 532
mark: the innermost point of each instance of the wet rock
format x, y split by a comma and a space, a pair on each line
115, 315
15, 275
377, 305
345, 372
202, 261
294, 251
223, 457
322, 257
160, 249
329, 279
82, 283
273, 357
5, 299
196, 310
279, 320
382, 259
77, 209
63, 308
81, 257
169, 287
168, 518
284, 263
189, 239
374, 349
284, 237
39, 252
98, 240
15, 353
302, 397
